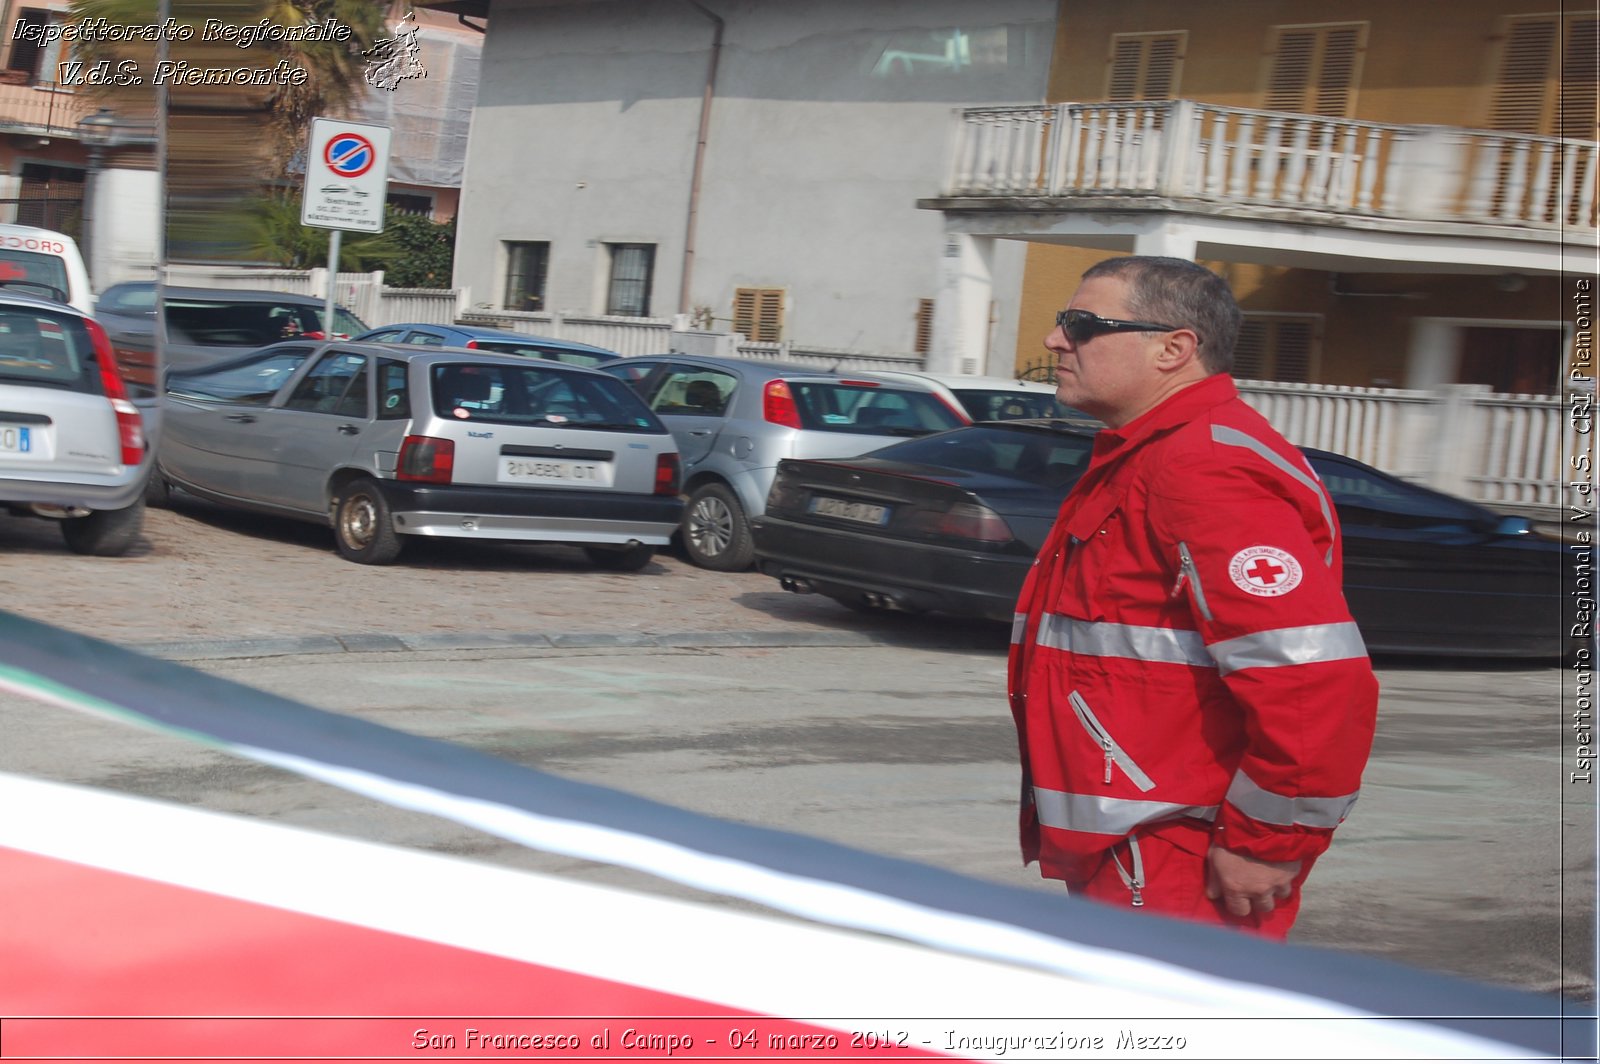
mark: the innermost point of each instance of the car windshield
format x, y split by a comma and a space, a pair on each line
991, 405
539, 394
1038, 456
870, 409
37, 347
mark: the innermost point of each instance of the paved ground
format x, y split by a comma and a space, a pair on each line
722, 693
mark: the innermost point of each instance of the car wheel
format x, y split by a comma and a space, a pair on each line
716, 533
157, 491
105, 533
362, 526
627, 560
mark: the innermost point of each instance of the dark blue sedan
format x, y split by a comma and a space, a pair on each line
501, 341
951, 523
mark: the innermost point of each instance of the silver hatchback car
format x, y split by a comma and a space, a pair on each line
386, 441
73, 445
735, 420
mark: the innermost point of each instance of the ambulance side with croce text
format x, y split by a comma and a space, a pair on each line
44, 264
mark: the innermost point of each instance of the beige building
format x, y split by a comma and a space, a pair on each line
1394, 190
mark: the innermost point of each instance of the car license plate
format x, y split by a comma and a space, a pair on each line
865, 512
555, 471
15, 439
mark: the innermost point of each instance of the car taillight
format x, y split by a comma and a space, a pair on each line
472, 345
668, 474
426, 459
966, 520
130, 425
777, 405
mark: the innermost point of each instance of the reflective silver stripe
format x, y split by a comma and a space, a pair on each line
1290, 646
1103, 639
1234, 438
1108, 816
1253, 801
1019, 622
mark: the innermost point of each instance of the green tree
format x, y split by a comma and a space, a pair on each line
413, 251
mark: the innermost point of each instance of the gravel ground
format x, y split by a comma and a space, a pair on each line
203, 573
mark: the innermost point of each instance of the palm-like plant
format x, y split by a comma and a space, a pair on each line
225, 142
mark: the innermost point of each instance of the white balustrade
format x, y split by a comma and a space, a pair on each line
1183, 149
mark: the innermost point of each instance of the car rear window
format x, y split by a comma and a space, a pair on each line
537, 394
37, 347
869, 409
250, 323
34, 274
1038, 456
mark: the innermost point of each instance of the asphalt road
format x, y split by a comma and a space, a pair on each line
1469, 852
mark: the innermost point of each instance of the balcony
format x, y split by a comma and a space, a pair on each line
1239, 167
44, 109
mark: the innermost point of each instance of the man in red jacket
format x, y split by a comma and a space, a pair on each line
1193, 703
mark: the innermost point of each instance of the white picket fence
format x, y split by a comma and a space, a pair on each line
363, 294
1510, 452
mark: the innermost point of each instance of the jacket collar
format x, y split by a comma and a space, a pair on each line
1107, 479
1178, 409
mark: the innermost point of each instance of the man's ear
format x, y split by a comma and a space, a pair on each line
1180, 350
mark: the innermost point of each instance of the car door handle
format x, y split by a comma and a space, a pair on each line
699, 432
243, 419
349, 430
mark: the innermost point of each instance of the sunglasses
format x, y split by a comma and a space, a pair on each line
1081, 326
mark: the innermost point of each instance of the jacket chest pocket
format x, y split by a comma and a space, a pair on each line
1090, 544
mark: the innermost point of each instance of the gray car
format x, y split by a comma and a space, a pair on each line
735, 420
207, 325
384, 442
72, 443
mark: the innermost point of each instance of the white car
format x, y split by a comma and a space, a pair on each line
72, 443
994, 398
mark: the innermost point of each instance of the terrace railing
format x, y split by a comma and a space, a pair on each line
1180, 149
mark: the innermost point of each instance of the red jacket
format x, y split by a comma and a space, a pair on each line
1183, 660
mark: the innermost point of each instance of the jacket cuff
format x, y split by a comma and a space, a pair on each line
1267, 842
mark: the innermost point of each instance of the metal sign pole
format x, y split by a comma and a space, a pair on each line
335, 236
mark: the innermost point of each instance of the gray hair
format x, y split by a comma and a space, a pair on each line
1183, 293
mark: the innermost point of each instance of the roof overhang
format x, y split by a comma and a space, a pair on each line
1274, 237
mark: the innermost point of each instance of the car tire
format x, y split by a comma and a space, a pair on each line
626, 560
157, 490
363, 528
716, 533
105, 533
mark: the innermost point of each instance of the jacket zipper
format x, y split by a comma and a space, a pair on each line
1115, 755
1187, 571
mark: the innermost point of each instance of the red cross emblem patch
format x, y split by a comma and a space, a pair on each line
1265, 571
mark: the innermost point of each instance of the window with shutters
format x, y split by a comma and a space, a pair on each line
1314, 69
1277, 347
1544, 78
1145, 66
758, 314
923, 342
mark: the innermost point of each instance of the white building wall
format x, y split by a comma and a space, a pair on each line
820, 143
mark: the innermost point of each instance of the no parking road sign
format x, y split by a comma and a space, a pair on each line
347, 176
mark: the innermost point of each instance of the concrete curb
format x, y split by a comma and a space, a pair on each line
373, 643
